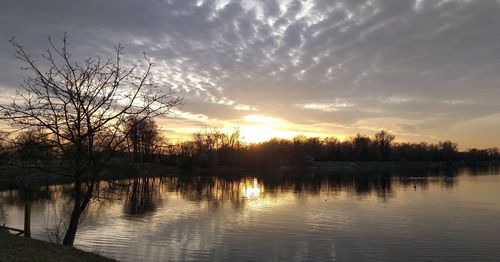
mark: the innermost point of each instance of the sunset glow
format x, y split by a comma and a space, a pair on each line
287, 68
250, 130
260, 128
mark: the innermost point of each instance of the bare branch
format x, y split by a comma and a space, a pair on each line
83, 108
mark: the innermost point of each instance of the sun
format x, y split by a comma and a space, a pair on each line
256, 133
262, 128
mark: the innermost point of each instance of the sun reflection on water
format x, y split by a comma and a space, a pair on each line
251, 189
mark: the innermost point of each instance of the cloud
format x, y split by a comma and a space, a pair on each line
326, 107
408, 61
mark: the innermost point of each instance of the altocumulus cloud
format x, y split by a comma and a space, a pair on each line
422, 69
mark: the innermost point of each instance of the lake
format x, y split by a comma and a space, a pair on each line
438, 215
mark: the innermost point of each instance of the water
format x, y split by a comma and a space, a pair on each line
438, 216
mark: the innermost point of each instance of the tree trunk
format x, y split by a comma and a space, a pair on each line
81, 204
27, 220
69, 238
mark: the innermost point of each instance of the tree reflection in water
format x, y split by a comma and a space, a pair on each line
144, 195
199, 216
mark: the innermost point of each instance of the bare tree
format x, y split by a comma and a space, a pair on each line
83, 107
32, 147
383, 140
142, 138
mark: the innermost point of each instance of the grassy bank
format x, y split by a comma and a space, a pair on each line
18, 248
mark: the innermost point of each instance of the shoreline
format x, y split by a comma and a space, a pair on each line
15, 177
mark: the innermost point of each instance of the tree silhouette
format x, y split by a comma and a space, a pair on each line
32, 146
361, 146
83, 107
142, 138
383, 141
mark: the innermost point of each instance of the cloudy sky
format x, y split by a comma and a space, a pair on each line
426, 70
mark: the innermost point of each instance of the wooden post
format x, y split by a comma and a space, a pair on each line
27, 220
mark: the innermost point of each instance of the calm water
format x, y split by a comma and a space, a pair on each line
439, 216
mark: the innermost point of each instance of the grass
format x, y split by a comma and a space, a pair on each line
19, 248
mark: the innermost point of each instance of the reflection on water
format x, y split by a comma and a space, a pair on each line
396, 215
252, 188
143, 195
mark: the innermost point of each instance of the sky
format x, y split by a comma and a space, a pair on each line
425, 70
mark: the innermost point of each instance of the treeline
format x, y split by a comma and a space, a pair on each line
210, 147
141, 143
